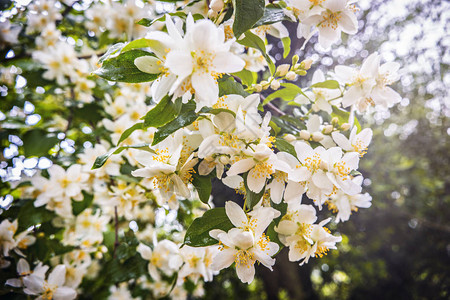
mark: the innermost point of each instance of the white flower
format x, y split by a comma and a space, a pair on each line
261, 164
23, 270
334, 17
197, 262
52, 288
164, 257
343, 204
8, 242
9, 32
356, 142
246, 244
200, 60
320, 97
120, 293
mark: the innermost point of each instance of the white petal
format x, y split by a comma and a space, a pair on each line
241, 166
226, 62
58, 275
245, 273
235, 213
148, 64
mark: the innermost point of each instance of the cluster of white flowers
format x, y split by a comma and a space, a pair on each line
291, 175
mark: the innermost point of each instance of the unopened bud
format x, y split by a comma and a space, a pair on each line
265, 84
306, 64
282, 69
103, 249
258, 88
345, 126
98, 255
275, 85
291, 76
216, 5
295, 59
290, 138
212, 14
301, 72
304, 134
328, 129
334, 120
317, 136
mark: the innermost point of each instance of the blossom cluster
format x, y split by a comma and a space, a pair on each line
187, 98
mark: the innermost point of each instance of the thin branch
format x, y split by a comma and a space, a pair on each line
275, 109
116, 225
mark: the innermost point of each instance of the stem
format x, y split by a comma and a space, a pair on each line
276, 109
116, 225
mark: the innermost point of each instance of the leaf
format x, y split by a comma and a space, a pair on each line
164, 112
203, 186
289, 92
216, 111
101, 160
123, 69
286, 46
327, 84
246, 14
247, 77
273, 235
129, 131
112, 51
197, 235
36, 142
187, 117
251, 198
228, 86
29, 216
272, 14
137, 44
343, 117
79, 206
254, 41
285, 146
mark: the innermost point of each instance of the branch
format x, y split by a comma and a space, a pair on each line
116, 225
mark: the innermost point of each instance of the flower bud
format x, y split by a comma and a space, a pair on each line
345, 126
289, 138
317, 136
224, 160
216, 5
291, 76
282, 69
328, 129
98, 255
275, 85
265, 84
304, 134
301, 72
258, 88
334, 120
212, 14
295, 59
306, 64
103, 249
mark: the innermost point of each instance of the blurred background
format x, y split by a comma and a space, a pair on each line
400, 247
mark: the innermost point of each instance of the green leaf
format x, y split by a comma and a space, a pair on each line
228, 86
289, 92
30, 216
273, 235
251, 198
272, 14
248, 77
164, 112
197, 235
216, 111
36, 142
129, 131
79, 206
285, 146
123, 69
112, 51
254, 41
101, 160
246, 14
203, 186
327, 84
138, 44
187, 117
343, 117
286, 46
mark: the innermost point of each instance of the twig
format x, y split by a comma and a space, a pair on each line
275, 109
116, 225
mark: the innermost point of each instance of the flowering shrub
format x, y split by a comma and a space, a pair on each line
115, 196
